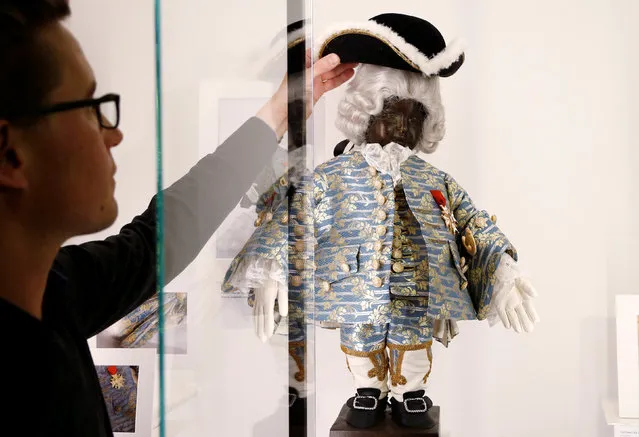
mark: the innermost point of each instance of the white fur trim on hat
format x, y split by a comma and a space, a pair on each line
410, 53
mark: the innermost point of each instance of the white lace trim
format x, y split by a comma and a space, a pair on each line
386, 159
253, 271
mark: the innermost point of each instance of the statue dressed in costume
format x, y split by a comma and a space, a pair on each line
386, 247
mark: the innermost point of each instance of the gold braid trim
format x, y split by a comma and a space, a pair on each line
378, 358
361, 354
380, 365
430, 368
410, 347
396, 367
367, 33
301, 375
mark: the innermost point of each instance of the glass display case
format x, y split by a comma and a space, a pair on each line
536, 126
221, 63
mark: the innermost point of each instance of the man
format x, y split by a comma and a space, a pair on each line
56, 182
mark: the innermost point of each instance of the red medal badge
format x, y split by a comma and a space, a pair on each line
117, 380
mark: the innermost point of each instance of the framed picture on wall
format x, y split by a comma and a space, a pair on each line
127, 380
224, 107
140, 328
628, 355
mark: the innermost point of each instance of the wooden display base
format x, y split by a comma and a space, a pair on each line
387, 428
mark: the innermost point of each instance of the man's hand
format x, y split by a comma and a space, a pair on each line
327, 74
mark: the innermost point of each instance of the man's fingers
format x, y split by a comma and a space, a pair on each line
335, 72
325, 64
309, 57
333, 83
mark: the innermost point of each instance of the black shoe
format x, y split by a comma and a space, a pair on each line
296, 409
366, 409
413, 412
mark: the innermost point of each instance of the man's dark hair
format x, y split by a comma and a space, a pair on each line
28, 68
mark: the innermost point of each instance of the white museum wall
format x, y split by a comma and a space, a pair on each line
118, 40
541, 122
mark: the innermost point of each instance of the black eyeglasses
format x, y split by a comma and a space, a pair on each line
107, 109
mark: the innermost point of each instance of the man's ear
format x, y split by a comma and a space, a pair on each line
11, 167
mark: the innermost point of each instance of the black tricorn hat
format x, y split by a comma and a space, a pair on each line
397, 41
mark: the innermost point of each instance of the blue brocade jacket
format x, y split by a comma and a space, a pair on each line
336, 247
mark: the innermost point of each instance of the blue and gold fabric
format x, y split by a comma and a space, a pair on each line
366, 338
383, 253
120, 390
142, 324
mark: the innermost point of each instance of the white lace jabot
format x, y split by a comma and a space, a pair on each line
386, 159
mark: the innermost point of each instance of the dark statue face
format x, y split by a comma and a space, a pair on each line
401, 121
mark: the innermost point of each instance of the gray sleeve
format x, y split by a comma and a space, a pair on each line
196, 204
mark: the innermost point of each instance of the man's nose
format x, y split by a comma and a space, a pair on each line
113, 137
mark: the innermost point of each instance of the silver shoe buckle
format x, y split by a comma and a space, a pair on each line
292, 397
415, 410
362, 407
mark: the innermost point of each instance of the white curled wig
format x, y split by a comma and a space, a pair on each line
372, 85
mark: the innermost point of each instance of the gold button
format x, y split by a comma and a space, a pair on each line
301, 216
378, 184
377, 282
298, 230
372, 171
377, 264
397, 243
469, 242
284, 219
283, 181
299, 246
296, 281
299, 264
380, 198
325, 286
345, 268
398, 267
381, 230
397, 253
381, 215
258, 222
378, 246
493, 218
268, 217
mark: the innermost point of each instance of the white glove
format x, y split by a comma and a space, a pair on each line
264, 308
512, 298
